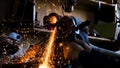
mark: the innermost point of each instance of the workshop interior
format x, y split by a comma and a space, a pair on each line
32, 31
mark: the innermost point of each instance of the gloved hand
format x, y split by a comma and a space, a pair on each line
71, 50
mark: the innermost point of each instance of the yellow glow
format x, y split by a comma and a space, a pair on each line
53, 19
43, 66
66, 51
48, 51
61, 44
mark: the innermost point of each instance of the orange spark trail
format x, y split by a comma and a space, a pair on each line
30, 53
48, 51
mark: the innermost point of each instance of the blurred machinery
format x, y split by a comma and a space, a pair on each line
68, 5
10, 44
66, 27
65, 24
18, 14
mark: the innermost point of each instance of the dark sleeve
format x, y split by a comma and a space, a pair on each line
96, 59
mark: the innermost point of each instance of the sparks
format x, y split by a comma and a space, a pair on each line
48, 51
30, 53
